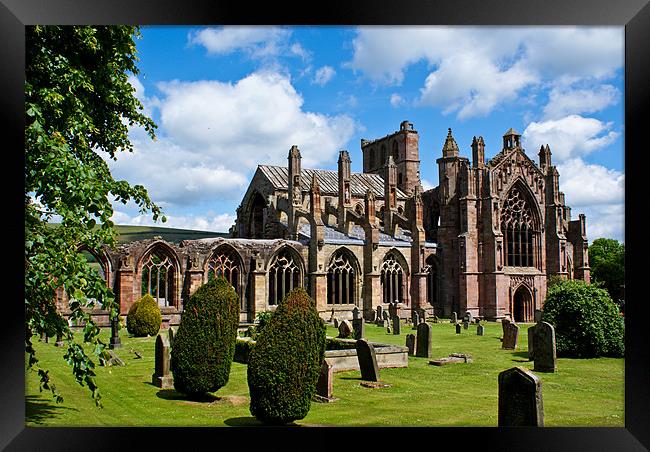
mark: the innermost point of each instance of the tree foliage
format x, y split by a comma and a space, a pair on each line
79, 106
285, 363
144, 317
607, 262
204, 345
586, 320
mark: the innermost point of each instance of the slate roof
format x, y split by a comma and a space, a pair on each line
356, 236
328, 181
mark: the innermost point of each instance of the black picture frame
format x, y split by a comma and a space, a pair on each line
634, 15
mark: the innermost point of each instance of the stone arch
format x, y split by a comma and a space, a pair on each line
255, 216
432, 270
522, 303
159, 274
520, 223
224, 260
394, 277
285, 271
343, 278
103, 260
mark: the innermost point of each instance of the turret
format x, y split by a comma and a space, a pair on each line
478, 152
345, 194
545, 157
450, 148
511, 139
294, 158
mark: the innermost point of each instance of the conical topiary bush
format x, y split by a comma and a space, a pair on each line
204, 344
144, 317
284, 365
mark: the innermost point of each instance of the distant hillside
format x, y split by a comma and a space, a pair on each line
127, 234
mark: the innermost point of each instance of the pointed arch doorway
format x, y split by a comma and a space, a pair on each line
522, 305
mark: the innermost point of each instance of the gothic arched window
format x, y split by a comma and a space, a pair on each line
341, 279
285, 274
225, 262
520, 231
431, 269
392, 279
158, 275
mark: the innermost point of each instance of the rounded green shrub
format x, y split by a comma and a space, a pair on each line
586, 320
144, 317
284, 365
204, 344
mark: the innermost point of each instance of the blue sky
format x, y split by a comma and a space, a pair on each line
229, 98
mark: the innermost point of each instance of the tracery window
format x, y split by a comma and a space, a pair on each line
392, 279
284, 275
224, 262
432, 280
158, 273
520, 234
341, 279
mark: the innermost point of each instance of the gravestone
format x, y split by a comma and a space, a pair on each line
359, 328
410, 343
389, 330
332, 316
531, 342
111, 359
479, 330
423, 315
504, 325
367, 360
458, 328
373, 316
380, 316
392, 310
423, 341
511, 336
356, 313
396, 325
345, 329
520, 399
385, 315
114, 341
454, 318
466, 325
538, 315
468, 316
544, 345
415, 318
452, 359
162, 378
324, 383
336, 322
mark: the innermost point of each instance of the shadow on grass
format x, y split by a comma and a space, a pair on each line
251, 421
521, 354
172, 394
38, 410
350, 378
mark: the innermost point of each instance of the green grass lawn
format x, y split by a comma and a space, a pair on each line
583, 392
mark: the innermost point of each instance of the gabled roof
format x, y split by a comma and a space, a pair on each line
328, 181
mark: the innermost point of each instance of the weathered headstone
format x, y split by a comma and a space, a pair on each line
511, 336
410, 343
367, 360
392, 310
345, 329
359, 328
324, 383
162, 377
544, 346
531, 342
111, 359
332, 316
504, 325
389, 330
466, 325
538, 315
415, 318
336, 322
458, 328
423, 315
454, 317
115, 341
479, 330
356, 313
385, 315
423, 341
452, 359
468, 317
520, 399
396, 325
373, 316
380, 317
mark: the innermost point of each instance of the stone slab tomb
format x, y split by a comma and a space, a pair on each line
453, 358
520, 399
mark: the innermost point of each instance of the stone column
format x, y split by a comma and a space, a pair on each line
258, 301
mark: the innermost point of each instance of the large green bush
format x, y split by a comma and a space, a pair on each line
285, 363
204, 344
144, 317
586, 320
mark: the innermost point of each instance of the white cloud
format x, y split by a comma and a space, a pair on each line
569, 137
324, 75
212, 135
209, 222
473, 70
396, 100
426, 185
258, 41
565, 101
585, 184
